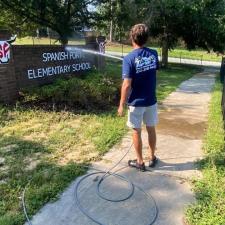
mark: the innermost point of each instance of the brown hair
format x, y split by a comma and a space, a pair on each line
139, 34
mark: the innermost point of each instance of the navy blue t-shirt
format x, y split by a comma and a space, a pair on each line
140, 65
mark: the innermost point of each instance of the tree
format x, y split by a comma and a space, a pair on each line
164, 17
115, 17
204, 25
15, 24
59, 15
198, 23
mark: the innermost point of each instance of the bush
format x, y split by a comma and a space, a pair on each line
92, 91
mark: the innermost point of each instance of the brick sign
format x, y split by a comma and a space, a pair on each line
61, 56
38, 65
4, 52
23, 66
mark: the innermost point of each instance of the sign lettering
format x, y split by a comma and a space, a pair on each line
64, 69
59, 69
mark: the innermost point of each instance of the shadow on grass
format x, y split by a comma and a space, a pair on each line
47, 179
216, 161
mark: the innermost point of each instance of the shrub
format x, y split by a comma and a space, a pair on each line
92, 91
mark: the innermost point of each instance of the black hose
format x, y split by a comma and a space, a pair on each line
104, 176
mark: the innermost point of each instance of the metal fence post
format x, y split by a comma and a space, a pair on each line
222, 70
223, 104
222, 74
160, 54
122, 50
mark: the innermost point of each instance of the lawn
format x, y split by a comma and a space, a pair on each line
210, 190
176, 53
44, 41
52, 145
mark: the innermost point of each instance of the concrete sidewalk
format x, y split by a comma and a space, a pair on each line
183, 117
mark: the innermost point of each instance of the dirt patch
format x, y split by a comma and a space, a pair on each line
8, 148
32, 162
85, 151
2, 161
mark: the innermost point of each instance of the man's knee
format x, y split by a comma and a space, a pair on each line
137, 131
150, 129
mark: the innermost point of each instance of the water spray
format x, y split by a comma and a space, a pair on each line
75, 49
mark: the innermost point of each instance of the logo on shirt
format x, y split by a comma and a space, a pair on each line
145, 63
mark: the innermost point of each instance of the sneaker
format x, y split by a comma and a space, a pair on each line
134, 163
153, 162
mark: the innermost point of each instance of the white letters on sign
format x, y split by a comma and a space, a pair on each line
4, 52
51, 70
54, 70
61, 56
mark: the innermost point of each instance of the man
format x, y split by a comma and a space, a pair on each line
139, 91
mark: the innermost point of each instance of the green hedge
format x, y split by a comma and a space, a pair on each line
92, 91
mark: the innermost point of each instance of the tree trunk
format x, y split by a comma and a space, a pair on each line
63, 39
111, 23
165, 50
111, 31
37, 33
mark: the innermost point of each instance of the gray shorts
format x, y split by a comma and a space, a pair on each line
149, 116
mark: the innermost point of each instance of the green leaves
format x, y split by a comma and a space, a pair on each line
96, 91
60, 16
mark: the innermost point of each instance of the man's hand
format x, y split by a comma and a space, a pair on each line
120, 110
124, 93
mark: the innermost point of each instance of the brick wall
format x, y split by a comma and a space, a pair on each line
8, 84
28, 66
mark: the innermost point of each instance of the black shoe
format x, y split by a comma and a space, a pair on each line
153, 162
134, 163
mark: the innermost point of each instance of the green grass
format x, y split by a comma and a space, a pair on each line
52, 147
176, 53
44, 41
169, 79
210, 190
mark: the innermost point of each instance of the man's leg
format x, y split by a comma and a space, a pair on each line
151, 141
138, 144
135, 117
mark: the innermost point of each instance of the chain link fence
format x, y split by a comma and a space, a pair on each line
178, 55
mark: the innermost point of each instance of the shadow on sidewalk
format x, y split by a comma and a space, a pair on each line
190, 165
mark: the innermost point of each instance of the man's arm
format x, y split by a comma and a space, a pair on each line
124, 94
